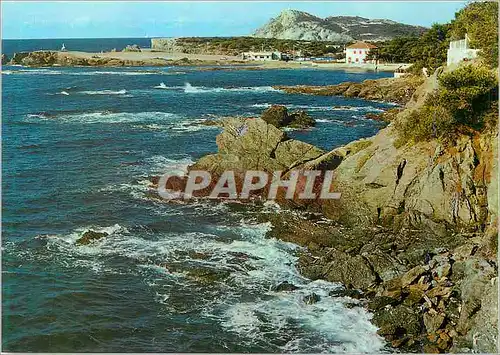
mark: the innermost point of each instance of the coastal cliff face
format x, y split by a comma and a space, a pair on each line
427, 185
415, 230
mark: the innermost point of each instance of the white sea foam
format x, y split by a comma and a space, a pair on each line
40, 71
254, 263
152, 121
64, 93
161, 86
103, 92
108, 117
190, 89
86, 72
162, 164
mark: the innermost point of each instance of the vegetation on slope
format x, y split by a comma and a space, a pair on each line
466, 101
237, 45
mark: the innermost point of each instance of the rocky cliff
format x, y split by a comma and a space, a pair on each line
293, 24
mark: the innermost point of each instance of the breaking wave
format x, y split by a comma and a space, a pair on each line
188, 88
105, 116
103, 92
244, 265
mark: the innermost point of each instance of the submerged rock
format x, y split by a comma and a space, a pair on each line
207, 275
90, 236
311, 299
285, 286
300, 119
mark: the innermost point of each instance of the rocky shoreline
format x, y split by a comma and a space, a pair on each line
395, 90
64, 59
414, 235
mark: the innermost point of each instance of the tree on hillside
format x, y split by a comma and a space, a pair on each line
431, 48
428, 51
479, 20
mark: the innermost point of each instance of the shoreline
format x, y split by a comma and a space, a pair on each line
151, 58
411, 268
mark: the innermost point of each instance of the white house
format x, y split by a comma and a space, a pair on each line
460, 51
356, 53
261, 55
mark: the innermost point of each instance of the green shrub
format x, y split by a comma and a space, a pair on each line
466, 92
465, 99
424, 124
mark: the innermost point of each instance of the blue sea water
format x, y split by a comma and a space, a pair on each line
11, 46
79, 145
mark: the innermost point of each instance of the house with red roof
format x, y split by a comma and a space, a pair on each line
357, 52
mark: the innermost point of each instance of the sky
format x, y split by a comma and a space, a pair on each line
109, 19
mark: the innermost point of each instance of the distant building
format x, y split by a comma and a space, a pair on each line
261, 55
356, 53
460, 51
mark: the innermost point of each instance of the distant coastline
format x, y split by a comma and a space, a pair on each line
148, 58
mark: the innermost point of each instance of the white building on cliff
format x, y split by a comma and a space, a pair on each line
356, 53
459, 51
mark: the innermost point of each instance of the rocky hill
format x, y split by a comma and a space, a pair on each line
293, 24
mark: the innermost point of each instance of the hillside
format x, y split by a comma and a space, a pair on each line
299, 25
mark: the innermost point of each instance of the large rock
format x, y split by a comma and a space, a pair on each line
90, 237
39, 58
252, 144
352, 271
278, 116
397, 321
478, 321
300, 119
5, 59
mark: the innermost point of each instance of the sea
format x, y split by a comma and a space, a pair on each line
79, 147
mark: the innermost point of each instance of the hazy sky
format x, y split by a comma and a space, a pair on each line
93, 19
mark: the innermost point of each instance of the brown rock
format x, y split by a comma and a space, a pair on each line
431, 349
90, 236
439, 291
412, 275
433, 322
415, 293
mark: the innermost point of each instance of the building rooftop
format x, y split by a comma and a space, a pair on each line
361, 45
